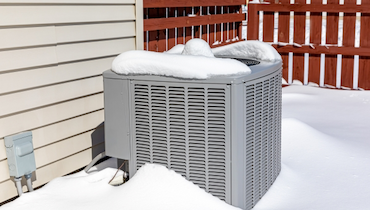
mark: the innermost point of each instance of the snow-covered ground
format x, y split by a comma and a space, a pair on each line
325, 151
325, 165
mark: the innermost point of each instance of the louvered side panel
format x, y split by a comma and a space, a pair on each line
277, 139
142, 125
183, 127
249, 150
216, 106
198, 135
266, 128
257, 143
178, 130
263, 116
158, 96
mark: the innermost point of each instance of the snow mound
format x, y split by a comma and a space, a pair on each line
174, 65
255, 50
325, 151
177, 49
197, 47
153, 187
163, 186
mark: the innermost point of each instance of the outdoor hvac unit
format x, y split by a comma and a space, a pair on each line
222, 133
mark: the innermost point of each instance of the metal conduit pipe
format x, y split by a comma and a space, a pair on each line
18, 185
29, 182
96, 159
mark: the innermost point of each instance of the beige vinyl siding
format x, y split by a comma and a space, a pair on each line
52, 55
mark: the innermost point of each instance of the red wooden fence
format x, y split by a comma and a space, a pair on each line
329, 45
171, 22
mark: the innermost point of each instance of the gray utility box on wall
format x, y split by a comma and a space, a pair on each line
20, 154
222, 133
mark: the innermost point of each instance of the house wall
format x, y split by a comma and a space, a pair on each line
52, 55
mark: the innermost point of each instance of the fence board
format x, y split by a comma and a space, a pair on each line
253, 22
283, 36
299, 37
171, 32
331, 39
218, 26
349, 24
163, 23
268, 26
161, 32
336, 73
180, 29
285, 7
331, 50
212, 21
364, 63
190, 3
315, 38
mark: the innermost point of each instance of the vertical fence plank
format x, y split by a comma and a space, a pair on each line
204, 27
349, 22
171, 31
188, 30
180, 30
268, 26
218, 26
364, 64
331, 38
161, 33
153, 35
315, 39
283, 36
299, 37
253, 20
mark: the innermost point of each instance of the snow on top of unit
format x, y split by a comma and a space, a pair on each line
153, 187
255, 50
177, 49
197, 47
196, 62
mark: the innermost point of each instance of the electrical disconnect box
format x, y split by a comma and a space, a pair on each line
21, 158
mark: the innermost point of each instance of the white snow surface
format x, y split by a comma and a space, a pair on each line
177, 49
325, 165
325, 151
195, 62
174, 65
251, 49
197, 47
153, 187
248, 49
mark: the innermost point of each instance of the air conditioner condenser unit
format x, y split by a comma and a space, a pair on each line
221, 133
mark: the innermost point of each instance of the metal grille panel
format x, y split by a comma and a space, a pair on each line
183, 128
263, 125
